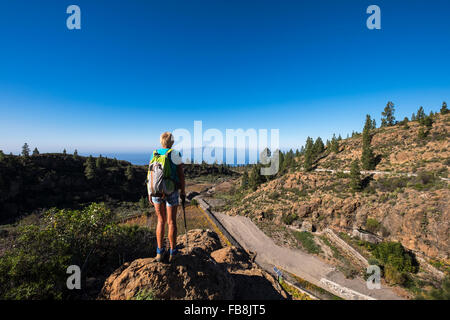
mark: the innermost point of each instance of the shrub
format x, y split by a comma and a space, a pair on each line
374, 262
36, 267
394, 276
426, 177
372, 225
442, 293
274, 196
393, 254
144, 294
307, 241
289, 218
143, 203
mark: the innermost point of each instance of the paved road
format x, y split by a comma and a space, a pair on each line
304, 265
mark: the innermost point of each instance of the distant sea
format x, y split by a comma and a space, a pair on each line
139, 158
134, 158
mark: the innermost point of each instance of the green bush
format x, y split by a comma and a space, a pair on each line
442, 293
36, 267
274, 196
143, 203
307, 241
393, 276
372, 225
393, 254
289, 218
144, 294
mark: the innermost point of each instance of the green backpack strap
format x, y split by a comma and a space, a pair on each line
168, 169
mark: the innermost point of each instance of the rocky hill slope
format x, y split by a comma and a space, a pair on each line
208, 272
413, 210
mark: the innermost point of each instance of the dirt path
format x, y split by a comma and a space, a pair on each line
376, 172
298, 262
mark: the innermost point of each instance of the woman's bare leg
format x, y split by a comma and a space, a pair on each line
160, 209
172, 222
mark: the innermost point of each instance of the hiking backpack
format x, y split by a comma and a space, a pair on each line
160, 180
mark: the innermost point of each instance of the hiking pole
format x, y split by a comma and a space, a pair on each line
183, 200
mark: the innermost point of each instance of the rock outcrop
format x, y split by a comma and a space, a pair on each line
206, 272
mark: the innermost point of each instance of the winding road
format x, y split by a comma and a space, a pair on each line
297, 262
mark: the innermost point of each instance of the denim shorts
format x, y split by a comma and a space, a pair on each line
171, 200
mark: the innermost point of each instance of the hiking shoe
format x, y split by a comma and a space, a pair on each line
173, 254
160, 254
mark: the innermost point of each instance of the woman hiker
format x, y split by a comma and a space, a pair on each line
166, 205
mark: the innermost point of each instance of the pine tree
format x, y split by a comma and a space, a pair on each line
318, 147
428, 122
89, 171
444, 109
413, 117
388, 118
75, 154
244, 180
334, 145
309, 153
35, 152
422, 134
288, 162
405, 123
280, 161
355, 176
100, 163
374, 124
420, 114
25, 150
64, 152
129, 173
367, 157
255, 178
2, 155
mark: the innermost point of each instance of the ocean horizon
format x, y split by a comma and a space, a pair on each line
143, 158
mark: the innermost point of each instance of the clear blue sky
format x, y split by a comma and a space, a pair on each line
137, 68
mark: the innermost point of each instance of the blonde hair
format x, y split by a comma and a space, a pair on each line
166, 140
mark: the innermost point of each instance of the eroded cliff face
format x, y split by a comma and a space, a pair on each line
207, 272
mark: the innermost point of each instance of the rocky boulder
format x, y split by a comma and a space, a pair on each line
206, 272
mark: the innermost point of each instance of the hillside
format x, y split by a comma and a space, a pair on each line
399, 149
36, 182
392, 206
